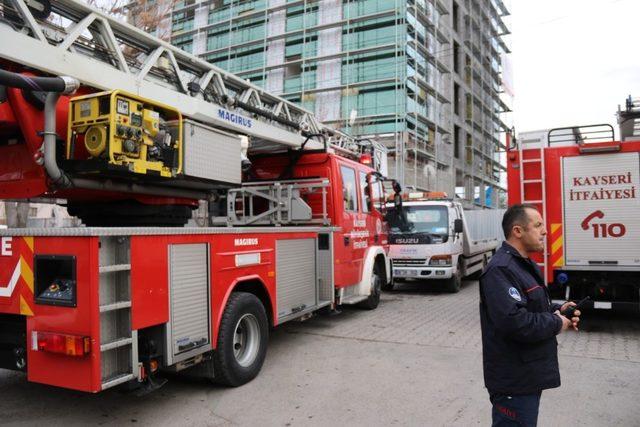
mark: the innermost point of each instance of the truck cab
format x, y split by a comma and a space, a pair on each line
353, 203
432, 239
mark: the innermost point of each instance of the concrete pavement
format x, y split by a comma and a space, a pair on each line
414, 361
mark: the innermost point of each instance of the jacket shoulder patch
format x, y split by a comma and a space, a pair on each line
513, 293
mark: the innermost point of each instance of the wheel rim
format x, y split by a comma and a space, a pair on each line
246, 340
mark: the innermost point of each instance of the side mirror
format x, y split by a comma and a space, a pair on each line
397, 201
457, 226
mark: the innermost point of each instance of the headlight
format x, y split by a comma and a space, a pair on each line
440, 261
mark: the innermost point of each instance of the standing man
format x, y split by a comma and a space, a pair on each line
519, 323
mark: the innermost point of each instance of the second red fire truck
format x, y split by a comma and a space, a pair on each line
586, 184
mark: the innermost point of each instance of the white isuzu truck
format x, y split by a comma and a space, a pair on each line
433, 238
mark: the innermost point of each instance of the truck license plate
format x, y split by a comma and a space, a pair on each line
404, 273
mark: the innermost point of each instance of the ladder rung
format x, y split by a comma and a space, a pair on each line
115, 306
531, 181
112, 382
115, 344
114, 268
531, 201
532, 161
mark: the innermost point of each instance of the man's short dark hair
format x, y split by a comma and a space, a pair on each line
515, 215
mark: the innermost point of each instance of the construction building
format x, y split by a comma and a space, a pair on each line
422, 76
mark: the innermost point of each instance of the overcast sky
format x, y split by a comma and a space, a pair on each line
573, 61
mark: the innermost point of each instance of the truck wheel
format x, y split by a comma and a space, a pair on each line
374, 297
455, 282
242, 340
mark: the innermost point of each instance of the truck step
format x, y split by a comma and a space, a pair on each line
354, 299
117, 380
115, 344
115, 306
114, 268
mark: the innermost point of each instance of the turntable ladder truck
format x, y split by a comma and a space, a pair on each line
131, 133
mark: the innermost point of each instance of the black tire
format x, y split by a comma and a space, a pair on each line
242, 340
387, 286
454, 284
373, 300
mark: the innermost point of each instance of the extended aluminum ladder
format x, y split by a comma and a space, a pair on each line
102, 52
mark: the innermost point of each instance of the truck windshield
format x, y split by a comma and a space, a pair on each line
424, 219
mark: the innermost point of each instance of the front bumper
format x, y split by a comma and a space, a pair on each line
423, 272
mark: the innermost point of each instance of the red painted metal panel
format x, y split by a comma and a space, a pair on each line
78, 373
14, 252
149, 281
226, 274
8, 123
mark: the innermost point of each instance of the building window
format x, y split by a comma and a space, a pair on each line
295, 69
456, 142
456, 57
454, 16
456, 99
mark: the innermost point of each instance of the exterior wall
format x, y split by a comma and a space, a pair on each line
41, 215
478, 48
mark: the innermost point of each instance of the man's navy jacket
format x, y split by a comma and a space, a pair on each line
519, 327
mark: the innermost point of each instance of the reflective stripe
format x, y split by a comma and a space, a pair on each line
7, 291
26, 267
557, 245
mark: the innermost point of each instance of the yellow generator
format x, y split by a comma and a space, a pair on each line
116, 132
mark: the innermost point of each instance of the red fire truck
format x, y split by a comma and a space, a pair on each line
587, 185
298, 228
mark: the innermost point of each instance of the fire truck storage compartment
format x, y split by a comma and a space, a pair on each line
188, 329
55, 280
211, 153
297, 276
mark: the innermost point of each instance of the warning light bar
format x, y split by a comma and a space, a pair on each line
366, 159
71, 345
599, 147
425, 195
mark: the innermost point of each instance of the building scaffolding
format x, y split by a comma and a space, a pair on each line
423, 77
